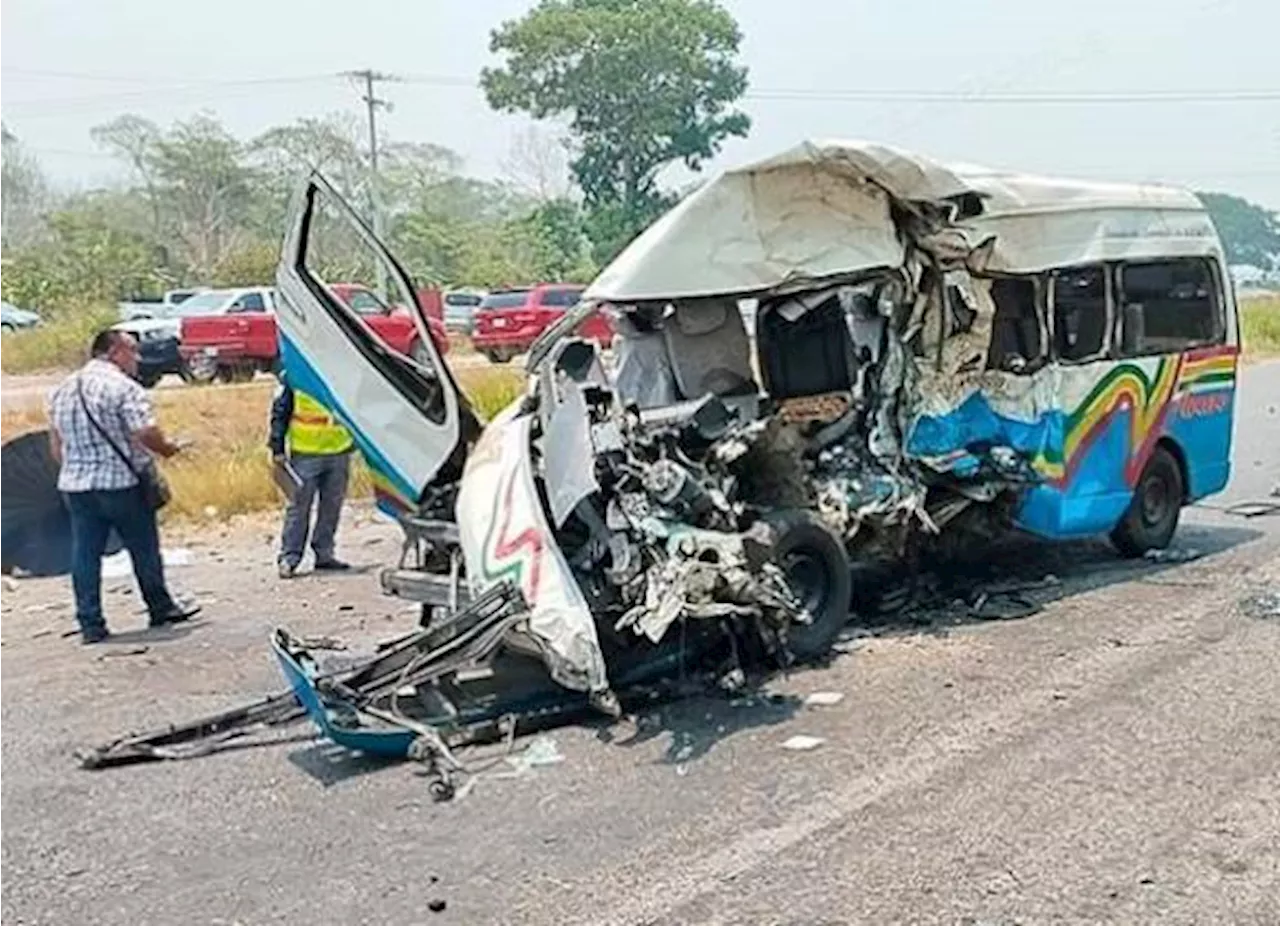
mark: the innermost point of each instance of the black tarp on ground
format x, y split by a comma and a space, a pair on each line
35, 527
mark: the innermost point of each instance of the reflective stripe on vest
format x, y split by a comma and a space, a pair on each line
312, 429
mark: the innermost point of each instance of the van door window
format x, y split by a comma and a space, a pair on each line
1017, 338
1080, 314
1168, 306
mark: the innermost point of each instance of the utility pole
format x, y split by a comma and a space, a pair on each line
371, 77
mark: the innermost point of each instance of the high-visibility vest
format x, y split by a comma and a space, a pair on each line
313, 429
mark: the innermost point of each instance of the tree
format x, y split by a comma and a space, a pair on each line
133, 138
643, 84
25, 194
1250, 234
537, 164
281, 156
197, 182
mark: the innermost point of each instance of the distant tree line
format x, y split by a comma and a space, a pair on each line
631, 87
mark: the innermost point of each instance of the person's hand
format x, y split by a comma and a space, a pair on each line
278, 458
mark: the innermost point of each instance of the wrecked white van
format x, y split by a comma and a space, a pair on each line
940, 355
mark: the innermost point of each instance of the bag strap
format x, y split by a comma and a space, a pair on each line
124, 457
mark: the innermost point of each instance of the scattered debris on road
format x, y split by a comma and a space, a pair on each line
1172, 555
542, 751
119, 565
824, 699
117, 652
803, 743
1261, 605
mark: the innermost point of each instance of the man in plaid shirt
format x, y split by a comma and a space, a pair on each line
101, 489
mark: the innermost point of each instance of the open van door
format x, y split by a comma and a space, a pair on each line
407, 416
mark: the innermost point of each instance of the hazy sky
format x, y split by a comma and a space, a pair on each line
70, 64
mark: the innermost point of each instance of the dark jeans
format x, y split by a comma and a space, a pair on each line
93, 514
323, 475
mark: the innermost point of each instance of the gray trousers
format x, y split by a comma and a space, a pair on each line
324, 475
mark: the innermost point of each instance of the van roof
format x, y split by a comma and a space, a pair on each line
826, 208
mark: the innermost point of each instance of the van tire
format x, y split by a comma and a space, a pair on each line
1152, 516
814, 560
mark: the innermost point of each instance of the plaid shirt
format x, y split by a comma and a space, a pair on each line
120, 406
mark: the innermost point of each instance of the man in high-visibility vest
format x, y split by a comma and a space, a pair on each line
318, 449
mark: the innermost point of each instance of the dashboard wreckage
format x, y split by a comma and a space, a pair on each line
828, 365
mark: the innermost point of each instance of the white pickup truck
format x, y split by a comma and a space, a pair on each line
160, 308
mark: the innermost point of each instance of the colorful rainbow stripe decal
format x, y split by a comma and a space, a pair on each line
1148, 398
524, 549
385, 494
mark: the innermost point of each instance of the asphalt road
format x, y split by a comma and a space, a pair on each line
1114, 758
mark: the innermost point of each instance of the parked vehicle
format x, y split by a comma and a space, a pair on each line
393, 323
13, 318
241, 339
210, 303
460, 309
508, 321
159, 308
158, 356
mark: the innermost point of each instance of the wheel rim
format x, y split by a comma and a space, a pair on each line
1155, 500
810, 579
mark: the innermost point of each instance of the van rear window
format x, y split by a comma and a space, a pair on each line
1169, 306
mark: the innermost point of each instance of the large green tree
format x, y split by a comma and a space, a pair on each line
1250, 233
643, 84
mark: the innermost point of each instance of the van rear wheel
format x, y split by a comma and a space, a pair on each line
1152, 517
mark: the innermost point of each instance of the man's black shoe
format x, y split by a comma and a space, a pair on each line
97, 635
175, 615
331, 565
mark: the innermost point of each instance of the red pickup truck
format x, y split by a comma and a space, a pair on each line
238, 337
508, 321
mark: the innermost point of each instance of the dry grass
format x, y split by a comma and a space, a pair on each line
227, 471
1260, 325
58, 344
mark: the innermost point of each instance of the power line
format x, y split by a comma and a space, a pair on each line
73, 105
1047, 98
370, 77
819, 94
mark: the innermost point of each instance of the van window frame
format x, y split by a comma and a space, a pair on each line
1040, 305
1106, 351
1217, 294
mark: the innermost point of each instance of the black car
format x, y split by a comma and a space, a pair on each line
158, 356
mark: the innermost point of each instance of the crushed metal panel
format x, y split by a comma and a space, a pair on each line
743, 233
569, 454
505, 536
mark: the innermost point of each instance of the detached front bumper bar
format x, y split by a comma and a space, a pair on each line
356, 707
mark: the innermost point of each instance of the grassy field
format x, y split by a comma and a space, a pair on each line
227, 471
58, 344
1260, 323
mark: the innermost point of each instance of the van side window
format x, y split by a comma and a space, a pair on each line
1168, 306
1080, 313
1017, 342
